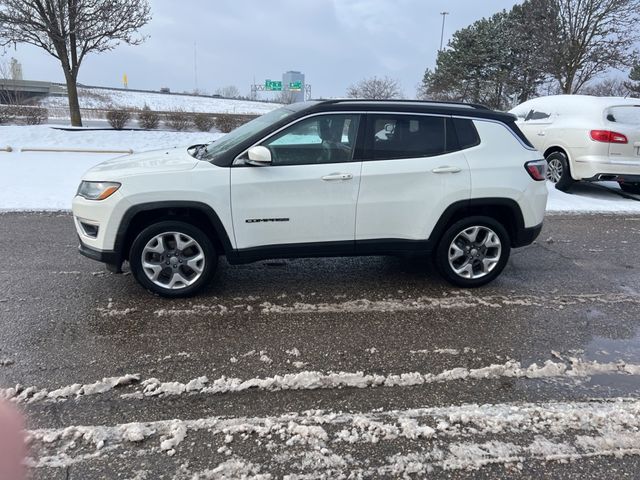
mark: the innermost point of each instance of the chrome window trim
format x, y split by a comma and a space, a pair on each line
239, 162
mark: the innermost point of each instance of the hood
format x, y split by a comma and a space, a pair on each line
175, 159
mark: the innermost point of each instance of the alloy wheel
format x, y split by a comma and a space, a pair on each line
173, 260
555, 169
475, 252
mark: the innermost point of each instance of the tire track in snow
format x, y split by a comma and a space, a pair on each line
458, 300
416, 441
312, 380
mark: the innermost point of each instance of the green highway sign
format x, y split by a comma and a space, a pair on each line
295, 86
273, 85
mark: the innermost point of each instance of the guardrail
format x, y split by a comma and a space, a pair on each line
73, 150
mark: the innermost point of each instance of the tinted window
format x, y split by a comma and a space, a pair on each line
406, 136
319, 139
467, 134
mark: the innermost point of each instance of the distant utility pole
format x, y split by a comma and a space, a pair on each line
444, 16
195, 65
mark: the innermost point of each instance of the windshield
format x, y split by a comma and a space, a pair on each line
245, 131
628, 114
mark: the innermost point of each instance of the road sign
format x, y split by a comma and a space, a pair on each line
273, 85
295, 86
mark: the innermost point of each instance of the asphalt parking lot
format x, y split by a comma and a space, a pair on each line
370, 367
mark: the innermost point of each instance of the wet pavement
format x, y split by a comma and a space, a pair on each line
331, 367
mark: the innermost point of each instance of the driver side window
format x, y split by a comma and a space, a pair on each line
315, 140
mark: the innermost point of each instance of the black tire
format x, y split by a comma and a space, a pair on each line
633, 188
202, 241
559, 160
441, 256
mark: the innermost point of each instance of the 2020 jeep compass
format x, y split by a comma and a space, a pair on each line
330, 178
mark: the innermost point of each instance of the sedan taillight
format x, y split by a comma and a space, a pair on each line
537, 169
607, 136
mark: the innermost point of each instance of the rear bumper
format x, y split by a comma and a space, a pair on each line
581, 170
611, 177
526, 236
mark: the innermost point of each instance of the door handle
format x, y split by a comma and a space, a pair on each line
446, 169
337, 176
541, 134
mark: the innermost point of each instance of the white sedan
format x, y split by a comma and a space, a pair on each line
585, 138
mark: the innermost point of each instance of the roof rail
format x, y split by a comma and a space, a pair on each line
427, 102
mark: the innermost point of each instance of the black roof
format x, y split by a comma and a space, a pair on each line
408, 106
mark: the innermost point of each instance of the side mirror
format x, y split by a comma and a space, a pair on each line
259, 156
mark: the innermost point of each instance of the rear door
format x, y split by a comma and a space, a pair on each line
309, 192
412, 172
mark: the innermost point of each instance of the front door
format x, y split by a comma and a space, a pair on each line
308, 194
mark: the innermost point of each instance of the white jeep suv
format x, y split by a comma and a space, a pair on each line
331, 178
585, 138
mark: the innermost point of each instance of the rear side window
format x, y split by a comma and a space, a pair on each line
407, 136
628, 115
467, 134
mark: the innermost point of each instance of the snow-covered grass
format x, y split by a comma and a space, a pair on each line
101, 99
48, 181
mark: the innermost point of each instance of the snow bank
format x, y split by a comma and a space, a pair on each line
590, 199
416, 441
103, 98
313, 380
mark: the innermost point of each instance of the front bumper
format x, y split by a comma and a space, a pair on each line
105, 256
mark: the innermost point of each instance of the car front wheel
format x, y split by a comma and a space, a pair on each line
473, 252
173, 259
558, 171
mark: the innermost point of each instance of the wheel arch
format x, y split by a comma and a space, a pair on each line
198, 214
506, 211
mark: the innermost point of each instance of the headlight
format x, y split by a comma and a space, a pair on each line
97, 190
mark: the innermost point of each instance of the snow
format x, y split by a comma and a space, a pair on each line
48, 181
415, 441
313, 380
102, 99
586, 198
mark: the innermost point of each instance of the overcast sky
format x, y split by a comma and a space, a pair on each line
334, 42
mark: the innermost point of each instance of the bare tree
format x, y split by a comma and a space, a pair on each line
230, 91
590, 38
375, 88
609, 87
286, 97
71, 29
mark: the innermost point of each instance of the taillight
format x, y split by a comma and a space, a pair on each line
537, 169
607, 136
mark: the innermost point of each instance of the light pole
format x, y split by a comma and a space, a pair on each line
444, 16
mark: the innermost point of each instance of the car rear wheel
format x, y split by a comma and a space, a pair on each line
558, 171
630, 187
173, 259
473, 252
